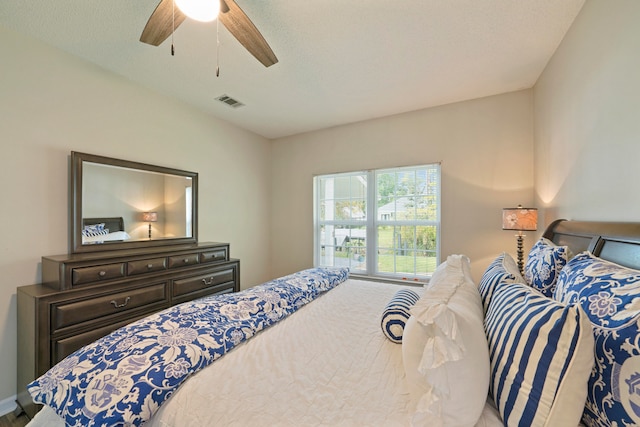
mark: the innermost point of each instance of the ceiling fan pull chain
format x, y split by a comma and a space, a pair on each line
217, 47
173, 25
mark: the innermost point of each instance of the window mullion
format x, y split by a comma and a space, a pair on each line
316, 223
372, 243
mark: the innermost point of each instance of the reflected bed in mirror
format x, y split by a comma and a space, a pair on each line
100, 230
120, 204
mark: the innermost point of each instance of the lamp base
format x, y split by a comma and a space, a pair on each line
520, 239
149, 230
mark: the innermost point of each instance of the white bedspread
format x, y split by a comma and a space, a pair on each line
326, 365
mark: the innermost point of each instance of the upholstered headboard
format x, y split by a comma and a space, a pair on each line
113, 224
614, 241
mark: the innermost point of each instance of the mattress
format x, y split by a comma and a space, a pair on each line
328, 364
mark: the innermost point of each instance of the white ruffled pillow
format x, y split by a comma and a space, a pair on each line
444, 349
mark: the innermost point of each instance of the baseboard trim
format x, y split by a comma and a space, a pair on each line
7, 405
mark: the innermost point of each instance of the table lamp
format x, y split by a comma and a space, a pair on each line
520, 219
150, 217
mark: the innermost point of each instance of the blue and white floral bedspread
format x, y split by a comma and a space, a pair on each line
123, 378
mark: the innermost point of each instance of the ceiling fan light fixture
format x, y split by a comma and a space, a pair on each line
200, 10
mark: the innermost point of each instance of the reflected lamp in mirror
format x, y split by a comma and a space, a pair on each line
520, 219
150, 217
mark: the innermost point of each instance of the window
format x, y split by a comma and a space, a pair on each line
382, 222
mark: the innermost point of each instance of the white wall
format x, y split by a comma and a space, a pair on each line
486, 150
52, 103
587, 118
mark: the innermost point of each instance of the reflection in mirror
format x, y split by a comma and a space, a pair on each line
134, 195
125, 204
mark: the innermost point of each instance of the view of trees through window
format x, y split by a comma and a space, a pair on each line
388, 228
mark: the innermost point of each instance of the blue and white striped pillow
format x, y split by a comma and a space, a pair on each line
502, 269
541, 354
396, 314
94, 233
94, 230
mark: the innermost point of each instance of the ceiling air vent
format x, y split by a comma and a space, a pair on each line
229, 101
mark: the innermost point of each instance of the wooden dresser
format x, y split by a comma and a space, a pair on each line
86, 296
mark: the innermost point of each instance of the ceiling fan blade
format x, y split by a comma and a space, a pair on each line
241, 27
161, 23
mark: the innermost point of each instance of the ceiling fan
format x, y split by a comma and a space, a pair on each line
166, 18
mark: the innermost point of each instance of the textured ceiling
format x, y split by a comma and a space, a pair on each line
339, 62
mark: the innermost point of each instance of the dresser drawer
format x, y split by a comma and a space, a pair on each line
72, 313
183, 260
83, 275
62, 347
146, 266
214, 256
212, 282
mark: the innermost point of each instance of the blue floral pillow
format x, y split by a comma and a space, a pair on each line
544, 264
610, 295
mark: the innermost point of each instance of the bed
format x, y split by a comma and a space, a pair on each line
320, 348
99, 230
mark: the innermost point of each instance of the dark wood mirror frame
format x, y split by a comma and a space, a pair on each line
76, 205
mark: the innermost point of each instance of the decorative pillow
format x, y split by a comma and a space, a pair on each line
610, 295
87, 233
444, 349
108, 237
502, 269
396, 313
94, 230
544, 263
541, 354
94, 227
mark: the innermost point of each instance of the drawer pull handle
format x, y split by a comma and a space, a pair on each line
149, 266
124, 304
102, 273
186, 260
208, 283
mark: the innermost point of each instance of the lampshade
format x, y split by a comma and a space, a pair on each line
520, 219
200, 10
150, 216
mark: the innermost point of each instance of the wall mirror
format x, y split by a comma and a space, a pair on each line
120, 204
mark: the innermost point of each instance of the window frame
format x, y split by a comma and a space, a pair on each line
371, 222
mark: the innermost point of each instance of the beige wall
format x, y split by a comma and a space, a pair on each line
51, 104
486, 150
587, 118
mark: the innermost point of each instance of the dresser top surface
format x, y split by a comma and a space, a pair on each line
125, 253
